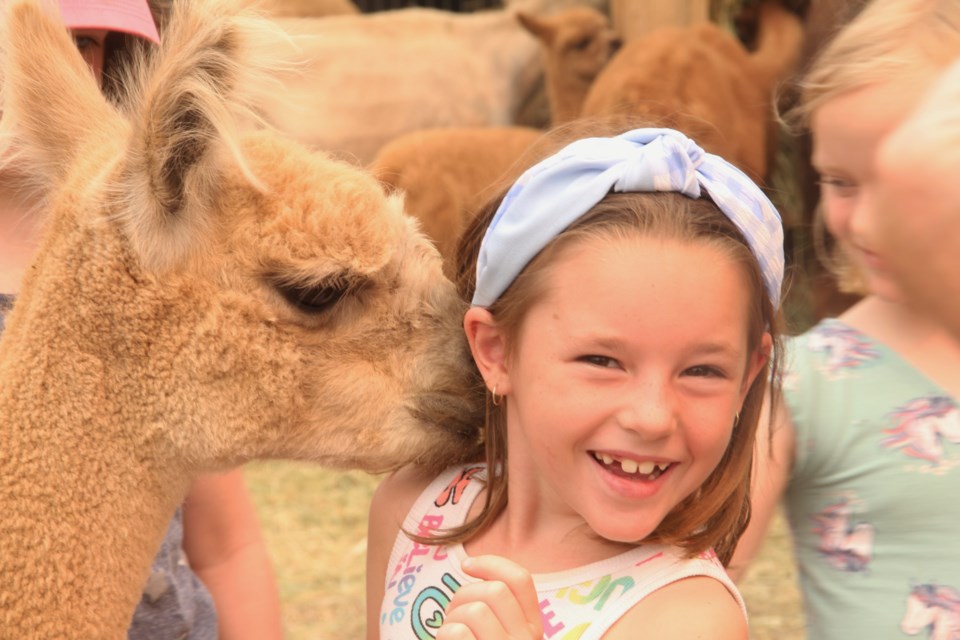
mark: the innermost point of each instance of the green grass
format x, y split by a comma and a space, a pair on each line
314, 522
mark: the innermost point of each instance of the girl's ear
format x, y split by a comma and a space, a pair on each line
757, 359
488, 345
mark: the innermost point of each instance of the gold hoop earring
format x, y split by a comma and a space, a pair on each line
496, 398
736, 419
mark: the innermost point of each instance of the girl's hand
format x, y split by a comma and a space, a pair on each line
502, 606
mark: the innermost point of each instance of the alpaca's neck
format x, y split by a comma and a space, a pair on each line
514, 56
85, 496
79, 544
566, 97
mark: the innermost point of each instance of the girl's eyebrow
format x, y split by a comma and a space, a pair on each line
710, 347
719, 348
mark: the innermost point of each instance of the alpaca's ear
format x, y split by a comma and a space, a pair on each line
183, 134
50, 101
537, 28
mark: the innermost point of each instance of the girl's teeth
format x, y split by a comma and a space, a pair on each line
631, 466
646, 468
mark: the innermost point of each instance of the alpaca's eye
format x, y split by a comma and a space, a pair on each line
313, 299
580, 45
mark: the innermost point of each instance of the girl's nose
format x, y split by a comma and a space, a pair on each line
648, 410
862, 215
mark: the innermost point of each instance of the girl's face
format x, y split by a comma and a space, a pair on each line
625, 379
847, 131
90, 43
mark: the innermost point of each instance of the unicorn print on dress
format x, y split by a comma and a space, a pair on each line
921, 427
934, 609
845, 348
847, 546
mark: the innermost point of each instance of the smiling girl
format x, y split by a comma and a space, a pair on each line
624, 295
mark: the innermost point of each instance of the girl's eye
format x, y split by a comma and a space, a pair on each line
840, 187
705, 371
599, 361
85, 42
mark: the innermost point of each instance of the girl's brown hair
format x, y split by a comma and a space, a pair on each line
715, 515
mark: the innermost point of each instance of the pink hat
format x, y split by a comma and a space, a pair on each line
126, 16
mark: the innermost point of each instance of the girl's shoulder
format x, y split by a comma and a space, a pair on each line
398, 493
695, 607
395, 495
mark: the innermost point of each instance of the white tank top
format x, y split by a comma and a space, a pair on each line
577, 604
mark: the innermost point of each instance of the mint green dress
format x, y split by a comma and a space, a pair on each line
873, 500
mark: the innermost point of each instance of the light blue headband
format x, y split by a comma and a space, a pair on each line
552, 195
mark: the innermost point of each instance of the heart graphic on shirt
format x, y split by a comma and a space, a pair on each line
435, 621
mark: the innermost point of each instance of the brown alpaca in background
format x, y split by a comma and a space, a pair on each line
447, 174
702, 81
577, 44
201, 297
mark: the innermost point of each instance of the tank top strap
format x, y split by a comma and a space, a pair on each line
446, 501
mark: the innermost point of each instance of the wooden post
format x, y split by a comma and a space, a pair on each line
634, 18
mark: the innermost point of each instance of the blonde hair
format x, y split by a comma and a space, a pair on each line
886, 42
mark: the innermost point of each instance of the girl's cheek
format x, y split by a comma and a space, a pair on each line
836, 213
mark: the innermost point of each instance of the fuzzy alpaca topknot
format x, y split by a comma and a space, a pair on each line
202, 296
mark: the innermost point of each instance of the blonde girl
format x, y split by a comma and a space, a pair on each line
866, 447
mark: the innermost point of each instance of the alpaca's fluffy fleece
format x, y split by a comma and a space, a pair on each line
367, 79
703, 81
202, 295
577, 44
447, 174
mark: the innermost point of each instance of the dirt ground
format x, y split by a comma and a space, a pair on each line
314, 522
770, 589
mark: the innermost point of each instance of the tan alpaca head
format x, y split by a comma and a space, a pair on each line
577, 43
215, 295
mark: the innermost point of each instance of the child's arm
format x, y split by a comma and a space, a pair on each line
502, 606
772, 461
689, 609
225, 547
391, 502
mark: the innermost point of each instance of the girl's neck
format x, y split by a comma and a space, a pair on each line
536, 536
914, 336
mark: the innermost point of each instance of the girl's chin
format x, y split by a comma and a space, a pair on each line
885, 288
629, 534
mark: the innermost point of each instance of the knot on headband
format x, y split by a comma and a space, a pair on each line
553, 194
